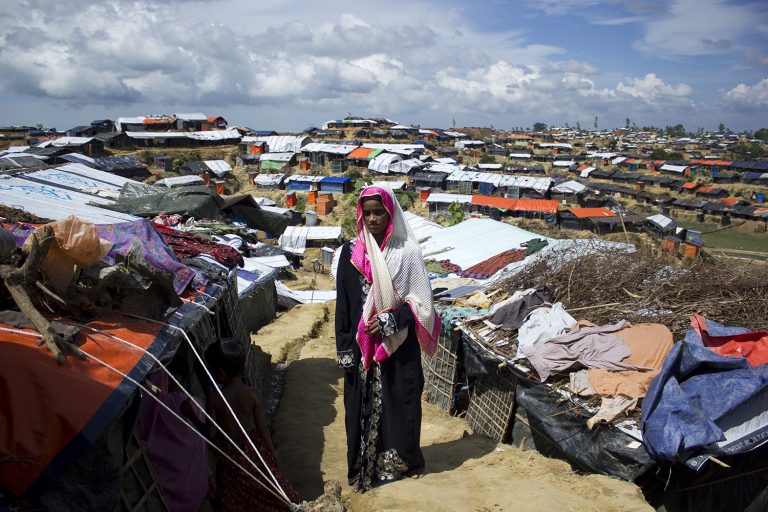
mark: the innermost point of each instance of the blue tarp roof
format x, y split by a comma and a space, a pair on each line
698, 397
336, 179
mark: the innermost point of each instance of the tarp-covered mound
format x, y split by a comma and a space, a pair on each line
703, 403
199, 202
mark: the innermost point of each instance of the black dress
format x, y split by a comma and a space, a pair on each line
382, 405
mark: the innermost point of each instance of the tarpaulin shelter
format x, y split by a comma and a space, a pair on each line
71, 441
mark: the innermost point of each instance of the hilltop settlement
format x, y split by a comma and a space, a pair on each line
603, 297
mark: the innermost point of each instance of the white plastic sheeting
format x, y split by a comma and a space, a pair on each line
563, 163
422, 228
400, 149
475, 240
324, 147
569, 187
461, 144
618, 160
65, 141
180, 181
384, 163
218, 167
540, 185
52, 202
276, 157
439, 197
586, 172
662, 221
674, 168
211, 135
305, 296
269, 180
294, 238
282, 143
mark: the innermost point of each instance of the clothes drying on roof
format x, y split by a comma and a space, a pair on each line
189, 245
582, 346
543, 322
513, 314
648, 344
487, 268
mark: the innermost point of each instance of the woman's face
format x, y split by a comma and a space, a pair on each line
375, 217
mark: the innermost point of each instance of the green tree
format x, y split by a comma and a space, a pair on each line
676, 131
539, 127
626, 124
762, 134
659, 154
747, 151
595, 123
676, 155
487, 159
456, 211
721, 128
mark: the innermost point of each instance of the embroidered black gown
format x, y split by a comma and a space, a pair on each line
382, 405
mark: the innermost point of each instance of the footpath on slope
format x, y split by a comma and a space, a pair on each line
464, 472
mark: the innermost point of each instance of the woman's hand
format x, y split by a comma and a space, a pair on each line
372, 327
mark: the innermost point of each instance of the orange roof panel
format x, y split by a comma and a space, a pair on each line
496, 202
518, 205
586, 213
537, 205
690, 185
705, 189
730, 200
360, 153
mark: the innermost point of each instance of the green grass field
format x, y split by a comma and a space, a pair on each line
731, 238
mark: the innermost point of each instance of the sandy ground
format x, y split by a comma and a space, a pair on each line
464, 472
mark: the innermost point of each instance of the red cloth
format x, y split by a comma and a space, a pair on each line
189, 245
751, 345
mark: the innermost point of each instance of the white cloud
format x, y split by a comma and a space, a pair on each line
652, 90
697, 27
749, 96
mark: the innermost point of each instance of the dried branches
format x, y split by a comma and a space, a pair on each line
612, 284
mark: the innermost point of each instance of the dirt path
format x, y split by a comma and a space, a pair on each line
464, 472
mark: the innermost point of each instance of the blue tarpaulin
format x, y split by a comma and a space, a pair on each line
705, 404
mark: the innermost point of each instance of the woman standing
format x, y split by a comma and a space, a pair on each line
384, 317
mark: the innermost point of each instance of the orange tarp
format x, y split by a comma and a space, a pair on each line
730, 200
585, 213
690, 185
705, 189
46, 407
359, 153
721, 163
518, 205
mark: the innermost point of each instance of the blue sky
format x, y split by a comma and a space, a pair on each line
289, 65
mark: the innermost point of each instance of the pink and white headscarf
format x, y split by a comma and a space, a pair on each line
397, 275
